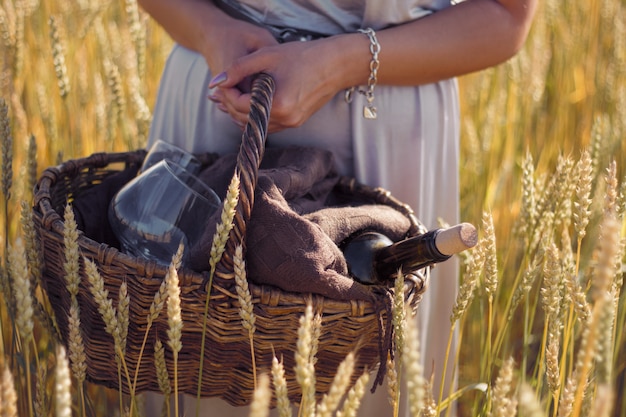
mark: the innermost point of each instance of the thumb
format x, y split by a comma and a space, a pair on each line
242, 68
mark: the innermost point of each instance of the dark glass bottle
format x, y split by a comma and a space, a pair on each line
373, 258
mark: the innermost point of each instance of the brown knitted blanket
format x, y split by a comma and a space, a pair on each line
294, 233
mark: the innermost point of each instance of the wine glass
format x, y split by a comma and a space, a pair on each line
159, 209
161, 150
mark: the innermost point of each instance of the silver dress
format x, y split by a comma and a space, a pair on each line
411, 149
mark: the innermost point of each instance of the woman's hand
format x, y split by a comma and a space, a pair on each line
306, 75
232, 40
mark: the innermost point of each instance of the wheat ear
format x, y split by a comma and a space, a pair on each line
246, 309
58, 56
8, 396
412, 366
32, 243
62, 385
161, 369
503, 404
71, 252
155, 309
23, 306
217, 249
529, 405
305, 369
260, 406
174, 318
393, 389
354, 396
21, 291
41, 406
340, 384
77, 355
280, 388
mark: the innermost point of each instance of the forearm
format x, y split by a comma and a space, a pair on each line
468, 37
186, 21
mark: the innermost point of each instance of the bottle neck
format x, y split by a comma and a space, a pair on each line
410, 255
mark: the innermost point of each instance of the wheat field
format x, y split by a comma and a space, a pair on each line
541, 311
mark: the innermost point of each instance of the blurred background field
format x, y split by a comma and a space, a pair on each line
81, 76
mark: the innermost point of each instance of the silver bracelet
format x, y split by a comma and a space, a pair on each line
369, 111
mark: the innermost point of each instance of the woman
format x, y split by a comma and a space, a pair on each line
398, 130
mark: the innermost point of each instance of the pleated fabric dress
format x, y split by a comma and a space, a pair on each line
411, 149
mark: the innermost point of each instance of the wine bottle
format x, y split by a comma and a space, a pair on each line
373, 258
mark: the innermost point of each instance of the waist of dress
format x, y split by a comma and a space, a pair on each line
281, 34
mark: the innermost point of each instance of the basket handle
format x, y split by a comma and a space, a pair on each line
251, 153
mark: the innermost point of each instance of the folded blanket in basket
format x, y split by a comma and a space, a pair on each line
294, 231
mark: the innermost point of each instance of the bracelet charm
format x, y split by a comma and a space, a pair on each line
369, 110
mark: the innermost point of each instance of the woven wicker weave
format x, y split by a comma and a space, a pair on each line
346, 325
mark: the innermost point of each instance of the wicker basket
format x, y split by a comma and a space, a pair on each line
346, 325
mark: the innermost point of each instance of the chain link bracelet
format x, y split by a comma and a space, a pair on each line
369, 111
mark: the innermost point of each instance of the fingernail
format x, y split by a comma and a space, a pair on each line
213, 98
218, 79
222, 107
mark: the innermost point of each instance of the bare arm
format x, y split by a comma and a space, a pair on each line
200, 26
468, 37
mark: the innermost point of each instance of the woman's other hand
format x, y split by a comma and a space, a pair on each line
307, 75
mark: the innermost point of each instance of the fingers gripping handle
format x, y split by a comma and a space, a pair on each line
251, 153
